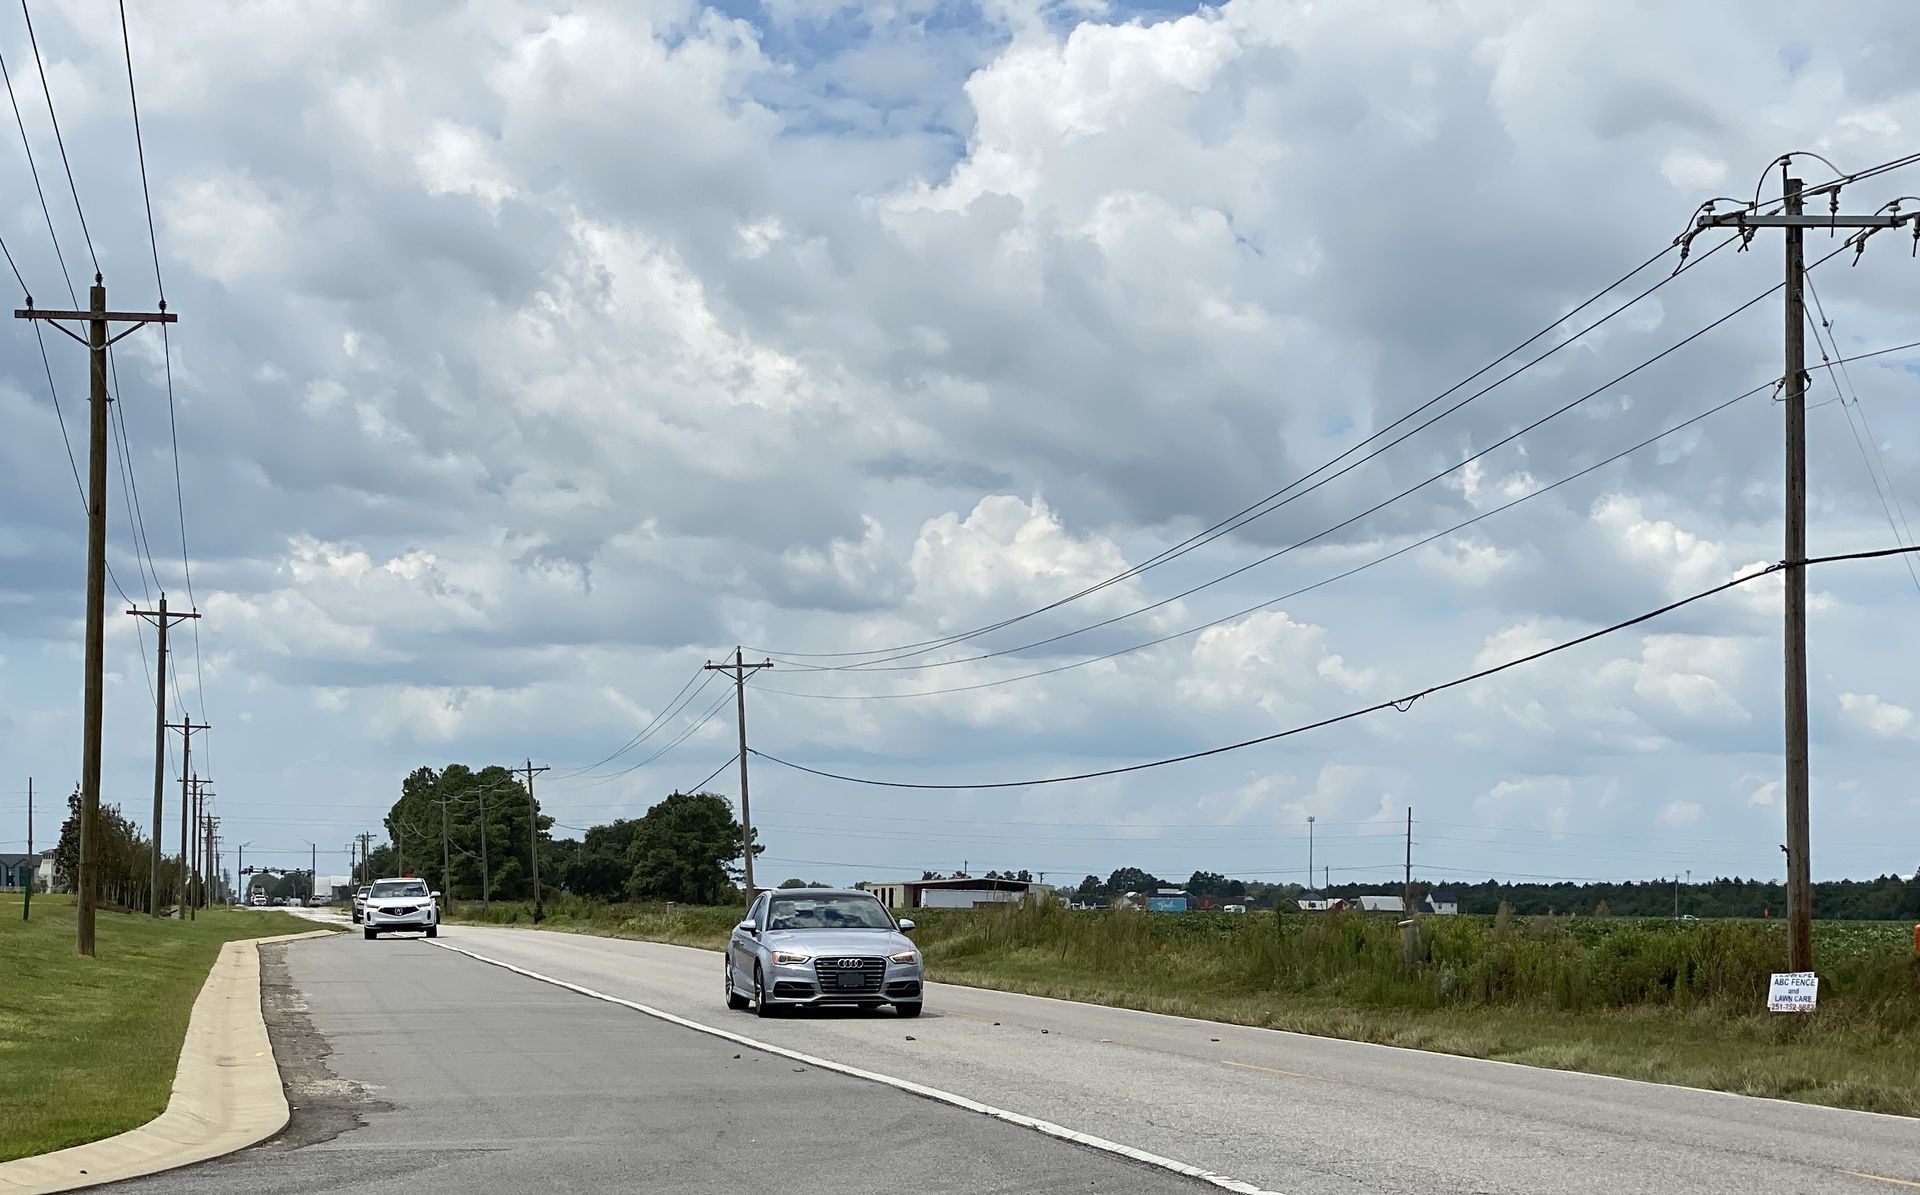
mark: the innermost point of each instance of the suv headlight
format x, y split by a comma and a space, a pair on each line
790, 957
905, 956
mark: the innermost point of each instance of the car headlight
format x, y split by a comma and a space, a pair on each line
905, 956
790, 957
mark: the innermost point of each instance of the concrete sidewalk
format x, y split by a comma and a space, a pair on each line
226, 1092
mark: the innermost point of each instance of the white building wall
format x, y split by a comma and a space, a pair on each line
962, 898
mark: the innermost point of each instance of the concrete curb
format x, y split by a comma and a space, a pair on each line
226, 1091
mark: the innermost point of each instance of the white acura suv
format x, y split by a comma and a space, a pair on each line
401, 904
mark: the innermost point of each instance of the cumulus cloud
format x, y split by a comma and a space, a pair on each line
516, 381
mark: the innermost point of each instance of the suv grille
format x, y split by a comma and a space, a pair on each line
850, 976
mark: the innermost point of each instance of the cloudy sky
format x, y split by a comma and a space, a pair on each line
530, 357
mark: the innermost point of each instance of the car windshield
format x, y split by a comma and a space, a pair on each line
827, 912
400, 888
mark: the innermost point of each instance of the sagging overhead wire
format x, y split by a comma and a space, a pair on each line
1255, 510
712, 712
673, 705
1401, 703
1340, 576
1868, 445
878, 666
1232, 522
58, 140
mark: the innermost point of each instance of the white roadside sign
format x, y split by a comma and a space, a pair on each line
1793, 991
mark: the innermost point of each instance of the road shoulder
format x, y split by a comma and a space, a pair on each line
226, 1090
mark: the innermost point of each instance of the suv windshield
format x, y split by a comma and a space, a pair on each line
400, 888
827, 912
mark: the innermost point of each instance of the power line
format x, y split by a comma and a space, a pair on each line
1247, 513
33, 167
1340, 576
710, 775
682, 737
1374, 509
666, 712
1889, 499
58, 139
12, 265
1683, 242
1402, 704
140, 147
166, 341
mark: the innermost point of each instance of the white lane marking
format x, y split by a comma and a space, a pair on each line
907, 1085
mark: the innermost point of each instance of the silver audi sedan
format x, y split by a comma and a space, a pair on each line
806, 946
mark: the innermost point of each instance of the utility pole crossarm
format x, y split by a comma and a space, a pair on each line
1790, 220
118, 317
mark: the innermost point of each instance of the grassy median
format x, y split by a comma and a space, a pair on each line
88, 1047
1667, 1001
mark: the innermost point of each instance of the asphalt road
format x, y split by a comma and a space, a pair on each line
1291, 1113
413, 1069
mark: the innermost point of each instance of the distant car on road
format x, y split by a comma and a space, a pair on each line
400, 904
360, 902
258, 900
802, 947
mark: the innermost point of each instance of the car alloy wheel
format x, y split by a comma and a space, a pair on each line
760, 1006
735, 1000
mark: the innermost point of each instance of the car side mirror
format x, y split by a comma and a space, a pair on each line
905, 924
436, 896
749, 927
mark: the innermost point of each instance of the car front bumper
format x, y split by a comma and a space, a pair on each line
381, 919
797, 985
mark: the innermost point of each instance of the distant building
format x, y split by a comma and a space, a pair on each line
1443, 904
16, 871
1167, 900
962, 893
1314, 902
1380, 904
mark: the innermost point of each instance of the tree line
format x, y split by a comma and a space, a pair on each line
1884, 898
123, 859
471, 834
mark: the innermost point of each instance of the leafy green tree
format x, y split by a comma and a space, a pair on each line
1089, 888
1132, 879
489, 804
684, 850
600, 868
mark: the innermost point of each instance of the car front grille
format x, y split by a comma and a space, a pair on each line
831, 971
408, 911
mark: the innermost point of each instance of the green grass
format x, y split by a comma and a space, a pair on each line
1668, 1001
88, 1047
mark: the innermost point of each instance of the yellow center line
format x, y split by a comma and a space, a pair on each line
1881, 1178
1268, 1070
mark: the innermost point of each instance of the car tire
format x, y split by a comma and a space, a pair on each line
761, 1007
433, 931
370, 933
908, 1010
735, 1001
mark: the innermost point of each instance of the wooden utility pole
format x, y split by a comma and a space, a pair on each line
446, 856
26, 903
1794, 221
186, 726
211, 859
533, 831
97, 320
1406, 892
365, 840
161, 621
741, 670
